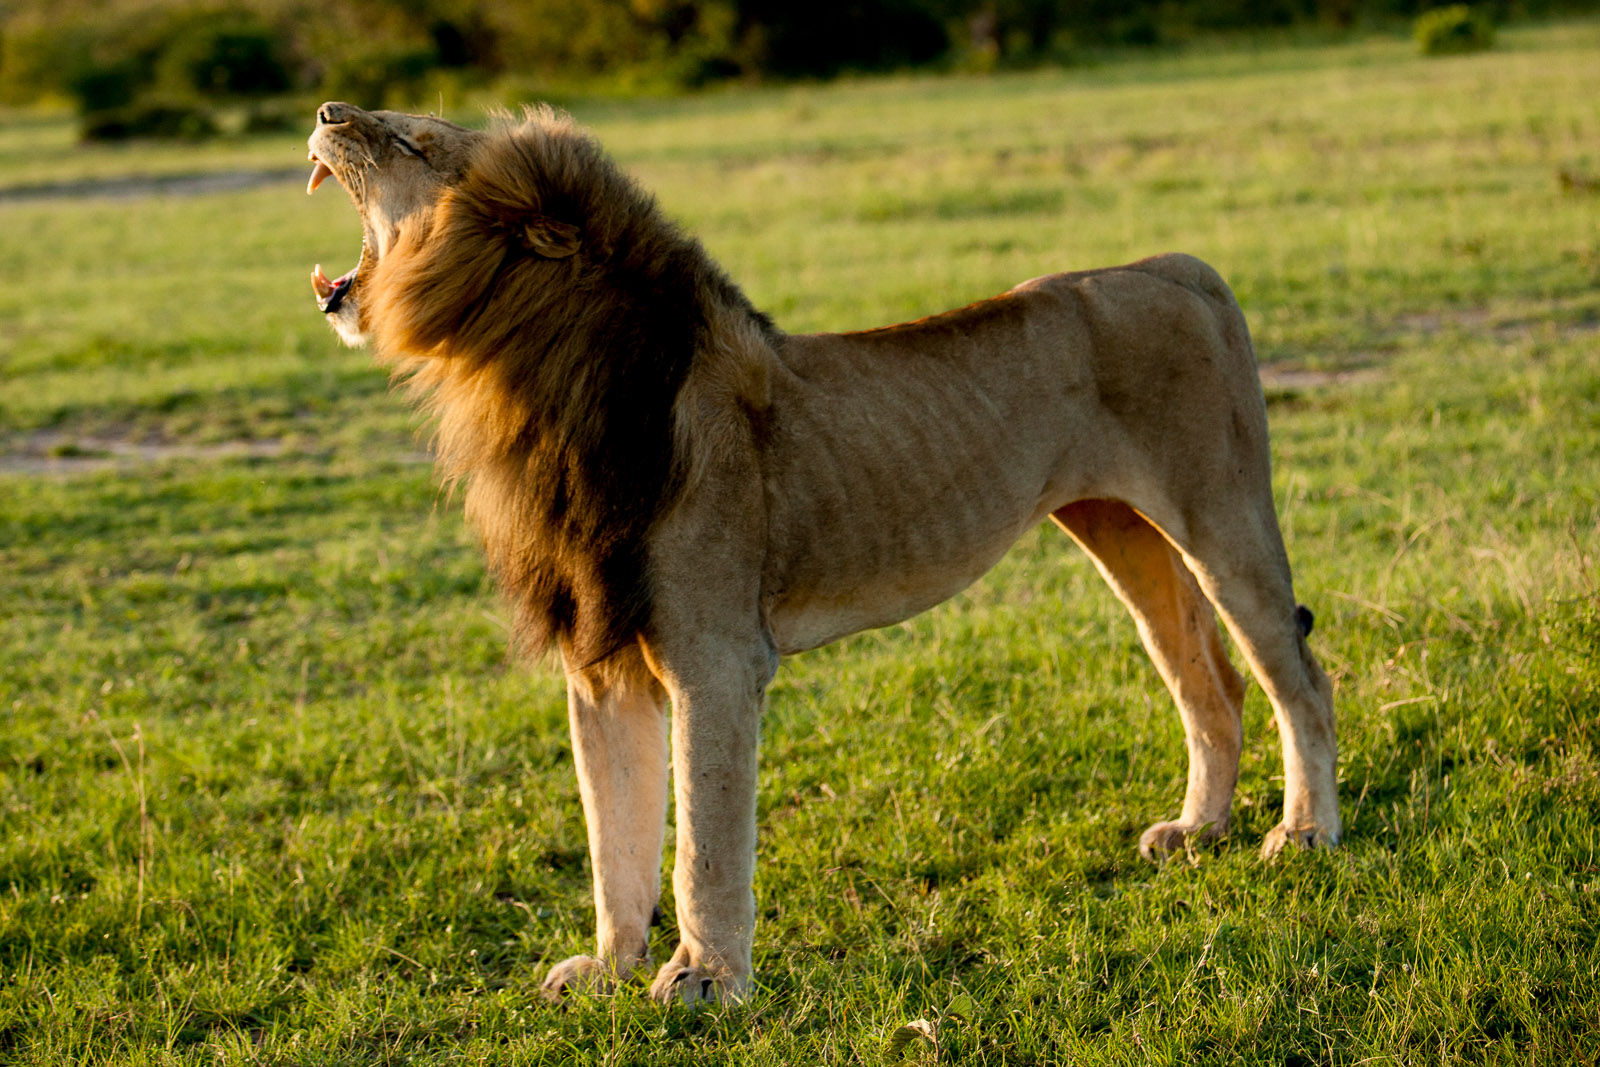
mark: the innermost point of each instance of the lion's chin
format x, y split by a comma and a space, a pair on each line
340, 306
346, 322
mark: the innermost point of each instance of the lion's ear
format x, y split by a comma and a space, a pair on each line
549, 237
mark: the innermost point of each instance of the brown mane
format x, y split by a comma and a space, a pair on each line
549, 316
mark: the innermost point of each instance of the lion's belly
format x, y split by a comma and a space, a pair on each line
808, 617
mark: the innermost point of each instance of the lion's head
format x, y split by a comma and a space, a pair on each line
394, 166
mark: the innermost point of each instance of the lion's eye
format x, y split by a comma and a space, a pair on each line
408, 148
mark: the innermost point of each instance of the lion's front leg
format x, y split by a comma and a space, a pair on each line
715, 724
619, 743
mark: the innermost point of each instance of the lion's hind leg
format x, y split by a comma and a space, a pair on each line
1179, 630
1242, 566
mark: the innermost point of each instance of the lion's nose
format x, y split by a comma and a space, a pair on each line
334, 112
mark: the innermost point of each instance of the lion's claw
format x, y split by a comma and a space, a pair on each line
576, 974
677, 984
1303, 836
1166, 838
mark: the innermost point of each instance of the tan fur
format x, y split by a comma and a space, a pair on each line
674, 493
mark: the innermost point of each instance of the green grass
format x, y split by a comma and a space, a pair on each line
273, 791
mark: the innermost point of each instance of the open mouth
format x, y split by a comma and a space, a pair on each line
331, 292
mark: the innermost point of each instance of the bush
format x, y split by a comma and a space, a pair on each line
378, 76
1451, 30
276, 116
224, 53
106, 86
150, 118
148, 73
858, 35
44, 60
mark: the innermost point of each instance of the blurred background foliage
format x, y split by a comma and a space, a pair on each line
166, 67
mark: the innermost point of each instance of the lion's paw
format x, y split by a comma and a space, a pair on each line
1304, 836
1166, 838
676, 983
576, 974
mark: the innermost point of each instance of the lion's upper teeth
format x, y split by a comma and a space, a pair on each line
318, 173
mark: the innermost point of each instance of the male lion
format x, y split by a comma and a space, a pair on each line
674, 493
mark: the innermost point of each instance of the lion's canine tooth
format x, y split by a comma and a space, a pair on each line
318, 173
320, 282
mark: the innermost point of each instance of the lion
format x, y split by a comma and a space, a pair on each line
673, 493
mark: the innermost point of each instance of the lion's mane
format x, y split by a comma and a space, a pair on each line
549, 315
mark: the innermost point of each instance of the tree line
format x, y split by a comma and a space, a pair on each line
108, 54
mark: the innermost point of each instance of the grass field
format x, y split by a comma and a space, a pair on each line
273, 792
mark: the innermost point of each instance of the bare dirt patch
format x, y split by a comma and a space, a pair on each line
53, 452
137, 186
1294, 379
60, 452
1567, 320
57, 452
